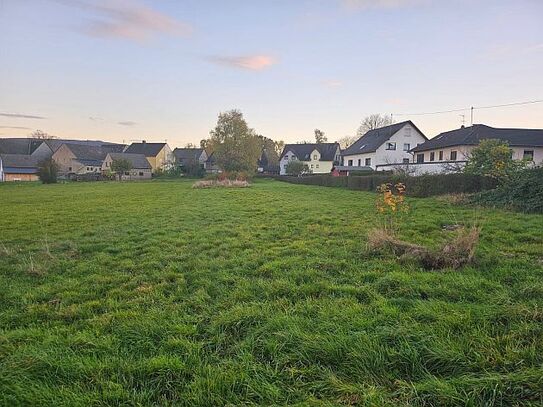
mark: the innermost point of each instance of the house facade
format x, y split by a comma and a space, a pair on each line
384, 147
159, 155
18, 167
189, 156
450, 150
141, 168
81, 159
319, 158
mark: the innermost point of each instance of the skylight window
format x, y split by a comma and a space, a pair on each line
362, 146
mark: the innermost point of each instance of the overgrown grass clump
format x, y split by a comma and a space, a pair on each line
155, 293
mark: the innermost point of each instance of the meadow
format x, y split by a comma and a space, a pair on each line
155, 293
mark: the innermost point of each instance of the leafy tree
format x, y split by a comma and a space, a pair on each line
272, 148
236, 147
320, 137
493, 158
296, 167
48, 171
373, 121
120, 165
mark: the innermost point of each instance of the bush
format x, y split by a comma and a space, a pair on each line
48, 171
191, 169
522, 192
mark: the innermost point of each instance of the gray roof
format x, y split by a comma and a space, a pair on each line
303, 151
375, 138
474, 134
18, 161
147, 149
188, 153
138, 161
55, 144
19, 145
87, 152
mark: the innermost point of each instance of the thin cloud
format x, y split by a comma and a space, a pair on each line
22, 116
249, 62
379, 4
15, 127
332, 83
127, 123
127, 20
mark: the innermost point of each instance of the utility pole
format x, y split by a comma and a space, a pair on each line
472, 115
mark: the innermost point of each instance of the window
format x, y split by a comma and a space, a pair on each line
141, 173
420, 158
432, 156
453, 155
317, 165
405, 160
391, 146
126, 173
286, 157
528, 155
406, 146
441, 156
368, 162
69, 168
408, 132
311, 165
88, 169
315, 157
359, 162
350, 163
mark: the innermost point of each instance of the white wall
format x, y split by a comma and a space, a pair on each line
406, 135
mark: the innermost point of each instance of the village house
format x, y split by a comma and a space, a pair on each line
83, 158
159, 155
383, 148
319, 158
36, 148
450, 150
189, 156
141, 168
18, 167
211, 165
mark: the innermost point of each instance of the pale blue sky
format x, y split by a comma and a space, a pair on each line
156, 70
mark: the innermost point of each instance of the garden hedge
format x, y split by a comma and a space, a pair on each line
419, 186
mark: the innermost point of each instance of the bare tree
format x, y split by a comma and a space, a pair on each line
346, 141
320, 137
41, 135
190, 145
373, 121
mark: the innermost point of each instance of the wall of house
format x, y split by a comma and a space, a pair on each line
406, 135
63, 157
136, 174
164, 160
43, 152
20, 177
80, 168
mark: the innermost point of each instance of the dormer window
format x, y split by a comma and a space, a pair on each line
362, 146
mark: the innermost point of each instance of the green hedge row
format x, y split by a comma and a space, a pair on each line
420, 186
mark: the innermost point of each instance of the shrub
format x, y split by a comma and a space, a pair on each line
296, 167
225, 183
48, 171
493, 158
522, 192
191, 169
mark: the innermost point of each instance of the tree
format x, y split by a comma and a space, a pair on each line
48, 171
493, 158
320, 137
273, 149
120, 165
236, 147
190, 145
373, 121
41, 135
296, 167
346, 141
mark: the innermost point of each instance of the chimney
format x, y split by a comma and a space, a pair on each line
143, 141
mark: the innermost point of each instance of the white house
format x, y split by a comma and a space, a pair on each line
384, 147
319, 158
451, 149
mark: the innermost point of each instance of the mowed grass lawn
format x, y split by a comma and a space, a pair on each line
154, 293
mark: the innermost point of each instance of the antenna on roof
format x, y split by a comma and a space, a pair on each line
463, 116
472, 115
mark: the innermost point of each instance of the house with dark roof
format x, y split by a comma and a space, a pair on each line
211, 165
451, 149
83, 158
141, 168
18, 167
385, 147
265, 166
159, 155
189, 156
319, 158
26, 146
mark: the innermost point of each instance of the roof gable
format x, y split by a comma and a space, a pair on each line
303, 151
373, 139
188, 153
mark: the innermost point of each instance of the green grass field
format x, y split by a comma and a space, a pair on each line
158, 294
